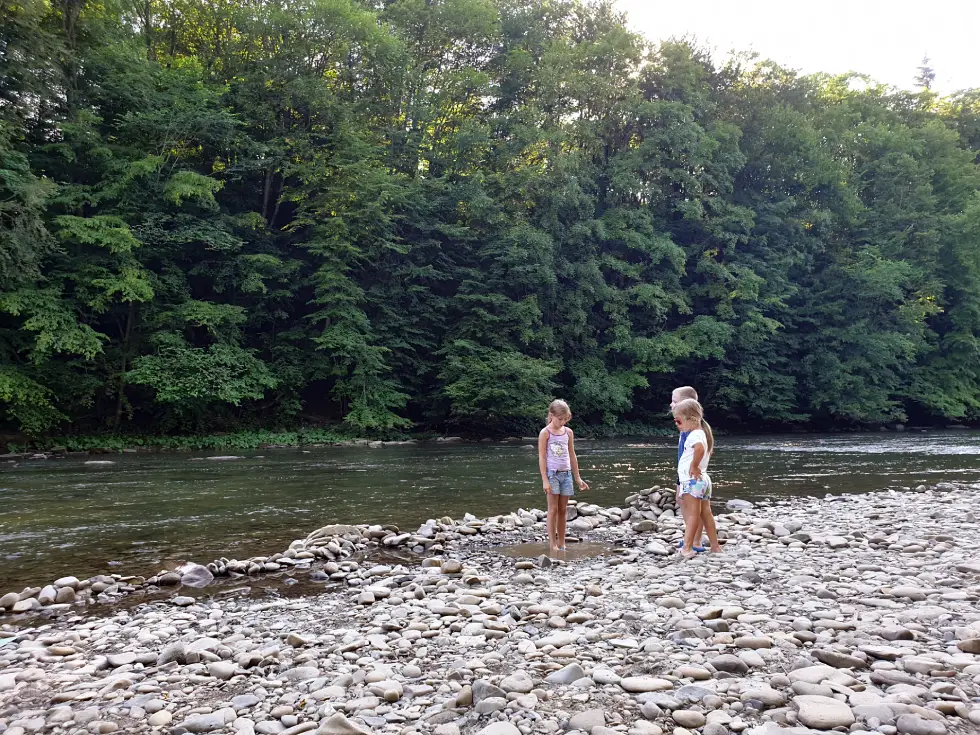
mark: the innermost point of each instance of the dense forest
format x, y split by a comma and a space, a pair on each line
438, 214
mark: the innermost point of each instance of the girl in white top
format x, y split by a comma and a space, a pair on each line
692, 470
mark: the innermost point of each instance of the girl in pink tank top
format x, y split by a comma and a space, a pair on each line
558, 465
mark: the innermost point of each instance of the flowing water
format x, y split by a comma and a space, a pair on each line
147, 511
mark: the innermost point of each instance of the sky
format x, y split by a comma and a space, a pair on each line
885, 40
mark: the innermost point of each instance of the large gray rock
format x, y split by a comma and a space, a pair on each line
337, 724
823, 713
912, 724
572, 672
223, 670
587, 720
483, 689
518, 682
730, 664
204, 723
172, 652
500, 728
767, 695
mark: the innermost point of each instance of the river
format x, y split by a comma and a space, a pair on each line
146, 511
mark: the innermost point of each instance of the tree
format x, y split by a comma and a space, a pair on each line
926, 75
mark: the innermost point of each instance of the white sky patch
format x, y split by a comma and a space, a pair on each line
885, 40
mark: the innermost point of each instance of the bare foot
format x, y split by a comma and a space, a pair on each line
717, 550
688, 554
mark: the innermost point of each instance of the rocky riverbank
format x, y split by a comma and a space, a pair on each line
857, 614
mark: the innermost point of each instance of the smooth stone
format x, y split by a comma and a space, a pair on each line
729, 664
223, 670
971, 645
637, 684
913, 724
489, 705
688, 718
161, 718
838, 660
606, 676
203, 723
337, 724
483, 689
767, 695
121, 659
497, 728
570, 673
518, 682
820, 674
587, 720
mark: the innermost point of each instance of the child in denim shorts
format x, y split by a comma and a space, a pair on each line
558, 465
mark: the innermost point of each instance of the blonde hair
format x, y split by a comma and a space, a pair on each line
558, 408
691, 409
685, 391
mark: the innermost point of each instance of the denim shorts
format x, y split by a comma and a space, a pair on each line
561, 483
700, 489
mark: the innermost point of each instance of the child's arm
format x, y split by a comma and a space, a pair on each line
696, 461
574, 460
542, 461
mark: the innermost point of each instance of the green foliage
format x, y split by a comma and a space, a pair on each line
501, 389
434, 214
194, 376
27, 402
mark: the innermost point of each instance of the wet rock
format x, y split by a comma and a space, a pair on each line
195, 575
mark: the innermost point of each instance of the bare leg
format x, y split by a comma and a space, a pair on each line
708, 521
552, 520
697, 521
698, 529
562, 519
691, 511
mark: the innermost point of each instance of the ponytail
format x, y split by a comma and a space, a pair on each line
706, 428
691, 409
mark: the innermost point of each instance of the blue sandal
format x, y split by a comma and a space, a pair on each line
698, 549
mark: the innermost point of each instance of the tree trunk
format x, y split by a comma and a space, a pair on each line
121, 387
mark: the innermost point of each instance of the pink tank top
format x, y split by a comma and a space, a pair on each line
557, 453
